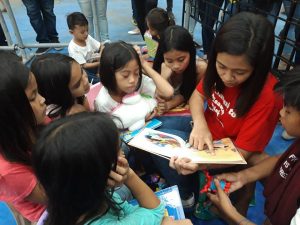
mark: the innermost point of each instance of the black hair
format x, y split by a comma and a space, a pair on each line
159, 20
53, 75
72, 159
17, 119
289, 86
243, 34
178, 38
114, 57
76, 18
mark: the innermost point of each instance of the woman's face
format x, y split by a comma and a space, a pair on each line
177, 61
232, 69
79, 83
36, 101
127, 78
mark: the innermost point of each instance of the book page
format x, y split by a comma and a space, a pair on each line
157, 142
168, 145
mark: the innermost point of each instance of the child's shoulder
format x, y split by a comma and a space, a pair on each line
104, 102
73, 46
76, 108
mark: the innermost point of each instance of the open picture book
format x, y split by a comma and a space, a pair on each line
127, 135
168, 145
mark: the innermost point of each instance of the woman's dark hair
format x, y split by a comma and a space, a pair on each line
114, 57
17, 119
72, 159
159, 20
289, 86
178, 38
53, 75
245, 34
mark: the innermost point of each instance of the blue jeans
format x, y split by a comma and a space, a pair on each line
133, 9
179, 123
3, 41
101, 8
212, 9
292, 29
42, 19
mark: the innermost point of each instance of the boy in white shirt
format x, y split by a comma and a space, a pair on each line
83, 48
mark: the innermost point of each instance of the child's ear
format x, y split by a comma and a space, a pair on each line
70, 31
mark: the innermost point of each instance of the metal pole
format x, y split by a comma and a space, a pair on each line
5, 29
15, 27
285, 31
95, 21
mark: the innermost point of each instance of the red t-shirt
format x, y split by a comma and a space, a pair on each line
250, 132
17, 181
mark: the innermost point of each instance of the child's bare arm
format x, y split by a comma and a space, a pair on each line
91, 65
144, 195
163, 88
164, 106
37, 195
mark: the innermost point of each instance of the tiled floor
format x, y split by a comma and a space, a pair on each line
119, 19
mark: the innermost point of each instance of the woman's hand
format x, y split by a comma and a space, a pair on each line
201, 138
121, 174
237, 180
183, 166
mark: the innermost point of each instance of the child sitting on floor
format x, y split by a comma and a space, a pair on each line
64, 85
126, 93
83, 48
78, 173
157, 21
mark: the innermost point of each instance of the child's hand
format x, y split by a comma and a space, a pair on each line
221, 200
150, 115
118, 177
137, 49
166, 72
171, 221
162, 107
236, 179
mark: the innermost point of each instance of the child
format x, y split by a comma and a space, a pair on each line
125, 90
83, 48
63, 85
23, 109
238, 88
176, 61
157, 21
74, 173
281, 190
